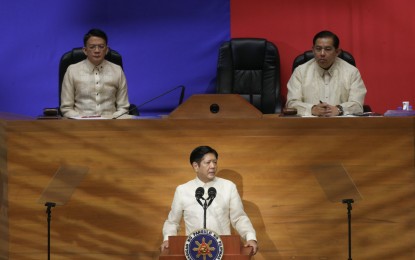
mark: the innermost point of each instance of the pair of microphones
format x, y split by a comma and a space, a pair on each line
199, 196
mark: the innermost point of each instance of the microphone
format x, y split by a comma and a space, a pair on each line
212, 195
159, 96
199, 195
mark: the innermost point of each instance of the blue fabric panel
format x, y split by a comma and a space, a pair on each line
164, 43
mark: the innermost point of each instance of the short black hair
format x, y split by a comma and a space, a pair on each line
327, 34
198, 153
97, 33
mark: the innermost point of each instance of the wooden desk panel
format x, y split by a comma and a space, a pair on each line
118, 210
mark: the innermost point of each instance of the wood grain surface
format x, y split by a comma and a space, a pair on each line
118, 210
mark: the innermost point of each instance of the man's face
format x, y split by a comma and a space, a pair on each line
324, 52
95, 50
206, 169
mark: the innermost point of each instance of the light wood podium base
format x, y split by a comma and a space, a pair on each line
233, 249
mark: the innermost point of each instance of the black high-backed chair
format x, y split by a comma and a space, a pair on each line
308, 55
76, 55
250, 67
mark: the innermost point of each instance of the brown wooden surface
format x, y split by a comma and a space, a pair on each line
230, 106
233, 249
118, 210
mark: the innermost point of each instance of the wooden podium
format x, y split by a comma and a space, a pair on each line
233, 249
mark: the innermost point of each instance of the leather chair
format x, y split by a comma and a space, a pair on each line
250, 67
308, 55
76, 55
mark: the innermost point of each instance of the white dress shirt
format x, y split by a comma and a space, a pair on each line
340, 85
94, 90
226, 209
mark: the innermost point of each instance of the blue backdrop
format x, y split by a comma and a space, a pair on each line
164, 43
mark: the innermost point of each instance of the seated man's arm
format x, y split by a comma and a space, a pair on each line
357, 93
121, 99
68, 96
295, 98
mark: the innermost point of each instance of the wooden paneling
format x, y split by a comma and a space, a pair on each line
118, 210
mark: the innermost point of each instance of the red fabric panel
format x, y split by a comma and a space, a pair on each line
379, 33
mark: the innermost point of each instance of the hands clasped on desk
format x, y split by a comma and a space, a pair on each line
326, 110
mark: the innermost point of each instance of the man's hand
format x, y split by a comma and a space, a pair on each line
325, 110
164, 245
253, 244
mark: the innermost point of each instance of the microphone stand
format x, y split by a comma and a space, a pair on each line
49, 206
199, 195
205, 206
349, 217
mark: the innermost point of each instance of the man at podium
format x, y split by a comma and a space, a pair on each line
225, 209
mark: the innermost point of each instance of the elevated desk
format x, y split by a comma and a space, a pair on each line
119, 208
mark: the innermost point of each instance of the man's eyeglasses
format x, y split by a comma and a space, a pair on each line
100, 47
320, 49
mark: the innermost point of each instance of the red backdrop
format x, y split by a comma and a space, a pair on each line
379, 33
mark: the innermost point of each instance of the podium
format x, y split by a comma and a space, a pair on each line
213, 106
233, 248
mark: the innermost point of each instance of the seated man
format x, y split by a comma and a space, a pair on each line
326, 85
226, 209
94, 86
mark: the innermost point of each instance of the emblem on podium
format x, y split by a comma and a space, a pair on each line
203, 244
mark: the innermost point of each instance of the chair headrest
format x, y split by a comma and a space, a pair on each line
77, 54
248, 53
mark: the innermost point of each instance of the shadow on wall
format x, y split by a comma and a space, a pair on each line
267, 248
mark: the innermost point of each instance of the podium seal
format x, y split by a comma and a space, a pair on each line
203, 244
